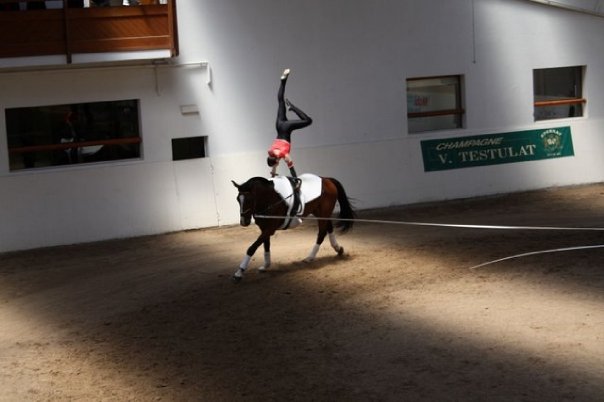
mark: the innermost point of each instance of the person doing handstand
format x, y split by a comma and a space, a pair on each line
281, 147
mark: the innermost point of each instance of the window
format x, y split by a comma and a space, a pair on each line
558, 92
188, 148
434, 103
72, 134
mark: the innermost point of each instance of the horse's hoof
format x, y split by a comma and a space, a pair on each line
341, 251
236, 279
308, 260
263, 268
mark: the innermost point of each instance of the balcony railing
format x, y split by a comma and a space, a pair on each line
68, 30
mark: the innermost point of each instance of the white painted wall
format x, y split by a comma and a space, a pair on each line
349, 65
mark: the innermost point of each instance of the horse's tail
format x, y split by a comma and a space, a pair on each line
347, 213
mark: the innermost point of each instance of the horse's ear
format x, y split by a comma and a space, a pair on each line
235, 184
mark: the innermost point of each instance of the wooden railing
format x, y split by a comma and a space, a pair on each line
560, 102
69, 31
72, 145
435, 113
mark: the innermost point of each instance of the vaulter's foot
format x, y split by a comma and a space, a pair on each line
285, 74
290, 106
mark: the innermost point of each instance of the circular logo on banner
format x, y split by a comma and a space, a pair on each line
552, 142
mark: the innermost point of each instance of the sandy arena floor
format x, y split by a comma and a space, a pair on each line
400, 318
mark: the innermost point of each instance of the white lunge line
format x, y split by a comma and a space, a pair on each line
463, 226
449, 225
555, 250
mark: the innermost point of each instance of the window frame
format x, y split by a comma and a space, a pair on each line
567, 101
458, 111
76, 146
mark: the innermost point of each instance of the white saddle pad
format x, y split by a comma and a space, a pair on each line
310, 189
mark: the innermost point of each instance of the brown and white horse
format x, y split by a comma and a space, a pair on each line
258, 198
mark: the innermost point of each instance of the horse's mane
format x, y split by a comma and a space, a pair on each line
247, 186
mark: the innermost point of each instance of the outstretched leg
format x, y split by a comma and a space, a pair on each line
281, 110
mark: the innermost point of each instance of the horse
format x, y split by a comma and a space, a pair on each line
259, 198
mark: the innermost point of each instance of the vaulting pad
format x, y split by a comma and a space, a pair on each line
310, 189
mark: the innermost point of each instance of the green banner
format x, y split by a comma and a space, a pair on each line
494, 149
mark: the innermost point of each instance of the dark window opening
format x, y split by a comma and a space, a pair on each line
57, 135
188, 148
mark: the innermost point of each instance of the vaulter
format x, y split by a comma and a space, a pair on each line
281, 146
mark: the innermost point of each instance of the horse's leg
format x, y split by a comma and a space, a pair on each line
267, 255
238, 275
332, 240
323, 209
323, 229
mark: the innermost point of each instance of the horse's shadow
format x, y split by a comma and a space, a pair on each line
281, 269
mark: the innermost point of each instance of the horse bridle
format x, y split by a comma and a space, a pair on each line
265, 210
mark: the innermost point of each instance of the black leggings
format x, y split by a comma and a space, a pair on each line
284, 126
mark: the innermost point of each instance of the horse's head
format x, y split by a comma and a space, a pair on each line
250, 198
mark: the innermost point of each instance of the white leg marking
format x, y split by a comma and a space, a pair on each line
313, 253
334, 242
267, 261
242, 267
245, 262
